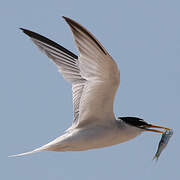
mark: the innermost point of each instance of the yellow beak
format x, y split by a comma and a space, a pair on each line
155, 130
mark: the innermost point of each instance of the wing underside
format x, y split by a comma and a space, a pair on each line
67, 63
101, 73
94, 75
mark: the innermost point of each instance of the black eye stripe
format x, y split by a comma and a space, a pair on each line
134, 121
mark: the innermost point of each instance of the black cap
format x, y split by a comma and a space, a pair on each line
134, 121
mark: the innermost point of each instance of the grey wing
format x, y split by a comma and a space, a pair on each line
67, 63
102, 76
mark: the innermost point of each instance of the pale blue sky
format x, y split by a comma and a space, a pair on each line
35, 102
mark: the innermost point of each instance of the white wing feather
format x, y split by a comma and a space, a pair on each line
101, 73
94, 75
67, 63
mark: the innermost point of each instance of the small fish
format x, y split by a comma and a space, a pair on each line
163, 142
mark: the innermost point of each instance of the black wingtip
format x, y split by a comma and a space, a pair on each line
27, 32
72, 23
22, 29
64, 17
43, 39
75, 25
69, 20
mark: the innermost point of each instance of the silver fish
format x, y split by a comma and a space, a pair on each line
163, 142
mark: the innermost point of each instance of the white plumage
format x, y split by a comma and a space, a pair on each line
95, 78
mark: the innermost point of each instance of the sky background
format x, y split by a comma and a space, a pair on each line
35, 102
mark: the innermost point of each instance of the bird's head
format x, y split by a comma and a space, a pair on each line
140, 123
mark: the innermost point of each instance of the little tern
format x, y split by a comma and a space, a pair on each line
95, 77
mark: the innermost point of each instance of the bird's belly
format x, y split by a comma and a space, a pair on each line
92, 138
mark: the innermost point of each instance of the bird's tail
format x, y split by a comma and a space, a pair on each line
30, 152
42, 148
47, 147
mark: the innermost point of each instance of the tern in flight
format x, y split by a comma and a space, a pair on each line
95, 77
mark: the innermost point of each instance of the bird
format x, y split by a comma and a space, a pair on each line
95, 78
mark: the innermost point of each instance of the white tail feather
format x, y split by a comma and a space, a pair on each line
30, 152
45, 147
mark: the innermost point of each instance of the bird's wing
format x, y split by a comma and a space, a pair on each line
67, 63
101, 74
